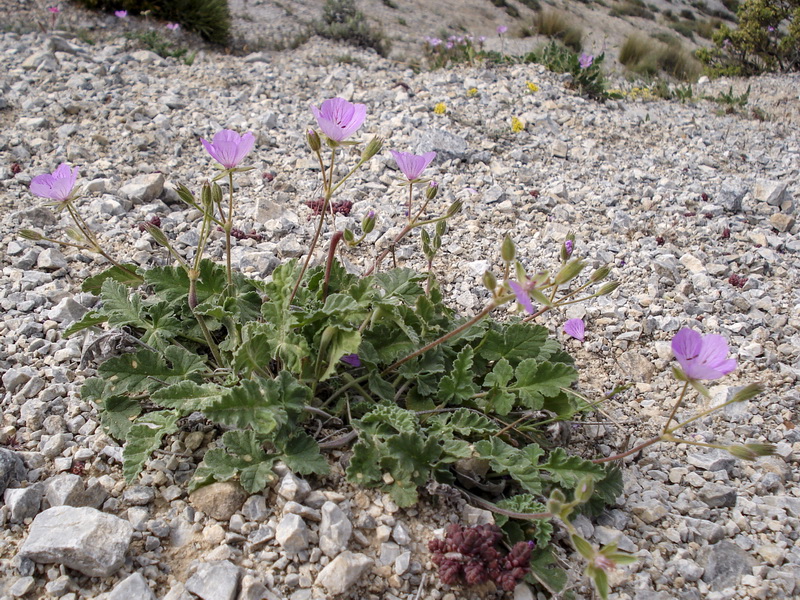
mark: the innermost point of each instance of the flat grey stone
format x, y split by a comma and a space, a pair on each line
219, 500
134, 587
83, 539
144, 188
712, 460
725, 563
11, 466
293, 488
67, 489
716, 495
255, 508
51, 259
215, 581
445, 144
334, 530
23, 503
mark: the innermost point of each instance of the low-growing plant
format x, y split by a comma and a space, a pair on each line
632, 8
317, 357
156, 42
209, 18
343, 22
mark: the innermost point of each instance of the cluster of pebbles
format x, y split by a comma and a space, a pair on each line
693, 207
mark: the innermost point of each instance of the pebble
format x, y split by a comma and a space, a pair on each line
343, 572
219, 500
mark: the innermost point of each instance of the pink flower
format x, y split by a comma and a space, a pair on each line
412, 165
522, 296
229, 148
338, 118
501, 29
121, 14
54, 9
702, 357
585, 61
575, 328
57, 185
173, 26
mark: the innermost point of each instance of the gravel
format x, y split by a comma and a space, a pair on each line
677, 198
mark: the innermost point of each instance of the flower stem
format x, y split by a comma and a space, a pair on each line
228, 227
633, 450
675, 408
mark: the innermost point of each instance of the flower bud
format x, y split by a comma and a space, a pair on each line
75, 234
441, 228
556, 501
584, 490
157, 235
568, 247
432, 190
569, 271
508, 251
348, 236
30, 234
600, 274
373, 147
455, 208
216, 193
608, 288
205, 197
312, 137
368, 222
489, 281
751, 451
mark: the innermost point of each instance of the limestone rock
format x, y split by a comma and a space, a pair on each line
343, 572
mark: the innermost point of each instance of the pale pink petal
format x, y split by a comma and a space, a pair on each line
522, 296
575, 328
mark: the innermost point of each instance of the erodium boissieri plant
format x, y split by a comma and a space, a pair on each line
317, 357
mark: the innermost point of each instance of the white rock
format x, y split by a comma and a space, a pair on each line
342, 573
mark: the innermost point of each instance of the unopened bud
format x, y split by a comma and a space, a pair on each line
600, 274
74, 233
508, 251
441, 227
368, 222
556, 501
157, 234
312, 137
584, 490
751, 451
216, 193
348, 236
432, 190
568, 247
373, 147
569, 271
30, 234
205, 197
520, 274
455, 208
489, 281
608, 288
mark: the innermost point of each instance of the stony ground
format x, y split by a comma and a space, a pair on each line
694, 207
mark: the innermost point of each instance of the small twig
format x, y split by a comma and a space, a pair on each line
339, 442
421, 585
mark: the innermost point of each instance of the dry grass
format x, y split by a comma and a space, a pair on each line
647, 57
556, 25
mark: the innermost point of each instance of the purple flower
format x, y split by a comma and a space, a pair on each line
54, 9
57, 185
569, 246
351, 359
522, 296
121, 14
412, 165
585, 61
481, 39
229, 148
702, 357
338, 118
173, 26
575, 328
770, 29
501, 29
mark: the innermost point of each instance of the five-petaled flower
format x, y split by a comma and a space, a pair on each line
229, 148
522, 296
54, 9
702, 357
575, 328
57, 185
412, 165
585, 61
121, 14
501, 29
339, 119
173, 26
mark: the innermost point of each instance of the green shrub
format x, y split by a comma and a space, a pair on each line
209, 18
767, 39
511, 11
532, 4
556, 25
341, 21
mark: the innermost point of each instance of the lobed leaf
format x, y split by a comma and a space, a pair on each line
458, 386
144, 437
567, 470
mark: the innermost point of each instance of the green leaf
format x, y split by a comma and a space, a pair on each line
90, 319
540, 530
146, 370
388, 419
546, 572
244, 406
567, 469
243, 455
94, 283
521, 465
411, 456
583, 547
93, 389
143, 438
536, 381
499, 400
462, 421
302, 455
254, 355
600, 582
286, 345
338, 342
364, 468
380, 387
517, 342
257, 476
400, 284
188, 396
458, 386
455, 449
118, 414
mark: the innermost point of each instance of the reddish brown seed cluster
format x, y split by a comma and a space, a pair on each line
534, 193
241, 235
737, 280
342, 207
16, 169
726, 233
660, 240
78, 467
470, 555
267, 176
155, 221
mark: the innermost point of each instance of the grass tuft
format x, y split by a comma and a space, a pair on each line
556, 25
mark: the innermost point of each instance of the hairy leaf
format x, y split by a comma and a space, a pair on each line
400, 285
387, 419
567, 469
517, 342
301, 454
244, 406
546, 572
521, 465
340, 342
146, 370
364, 468
118, 414
188, 396
536, 381
458, 386
90, 319
143, 438
539, 530
94, 283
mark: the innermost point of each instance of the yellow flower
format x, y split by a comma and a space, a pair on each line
517, 125
472, 92
440, 108
532, 86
